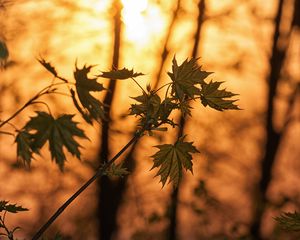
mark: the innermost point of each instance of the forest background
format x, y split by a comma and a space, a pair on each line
247, 171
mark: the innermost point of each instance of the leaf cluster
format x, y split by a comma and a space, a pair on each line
153, 108
187, 84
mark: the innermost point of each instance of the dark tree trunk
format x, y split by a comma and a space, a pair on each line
112, 192
273, 137
109, 193
171, 231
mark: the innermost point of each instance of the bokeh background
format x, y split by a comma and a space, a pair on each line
247, 171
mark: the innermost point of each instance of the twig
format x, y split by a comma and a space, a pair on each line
100, 171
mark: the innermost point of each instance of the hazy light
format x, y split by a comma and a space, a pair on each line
141, 20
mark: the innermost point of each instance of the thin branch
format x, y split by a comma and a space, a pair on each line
100, 171
19, 111
40, 102
44, 91
162, 87
7, 133
139, 85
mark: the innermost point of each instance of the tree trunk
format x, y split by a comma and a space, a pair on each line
109, 193
273, 137
112, 192
171, 231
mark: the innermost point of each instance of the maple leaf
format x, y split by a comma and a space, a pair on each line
116, 170
172, 158
83, 113
185, 108
147, 108
24, 150
48, 66
58, 132
120, 74
12, 208
84, 86
152, 111
185, 77
165, 109
218, 99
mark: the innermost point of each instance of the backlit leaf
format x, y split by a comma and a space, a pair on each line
120, 74
185, 77
83, 113
24, 150
172, 158
152, 111
58, 132
48, 66
147, 108
218, 99
12, 208
116, 170
84, 86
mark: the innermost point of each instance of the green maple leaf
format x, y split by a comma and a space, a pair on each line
172, 159
218, 99
185, 77
12, 208
58, 132
24, 150
120, 74
84, 86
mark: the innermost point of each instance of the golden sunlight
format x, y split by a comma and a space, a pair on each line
142, 20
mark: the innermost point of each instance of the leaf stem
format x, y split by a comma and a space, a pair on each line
41, 102
166, 95
8, 233
7, 133
100, 171
162, 87
139, 85
44, 91
18, 111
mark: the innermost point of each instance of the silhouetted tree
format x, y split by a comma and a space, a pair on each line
114, 190
273, 136
109, 193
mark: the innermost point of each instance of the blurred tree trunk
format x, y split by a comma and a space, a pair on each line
112, 192
273, 136
109, 193
171, 231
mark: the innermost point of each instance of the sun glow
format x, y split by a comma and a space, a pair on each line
141, 20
